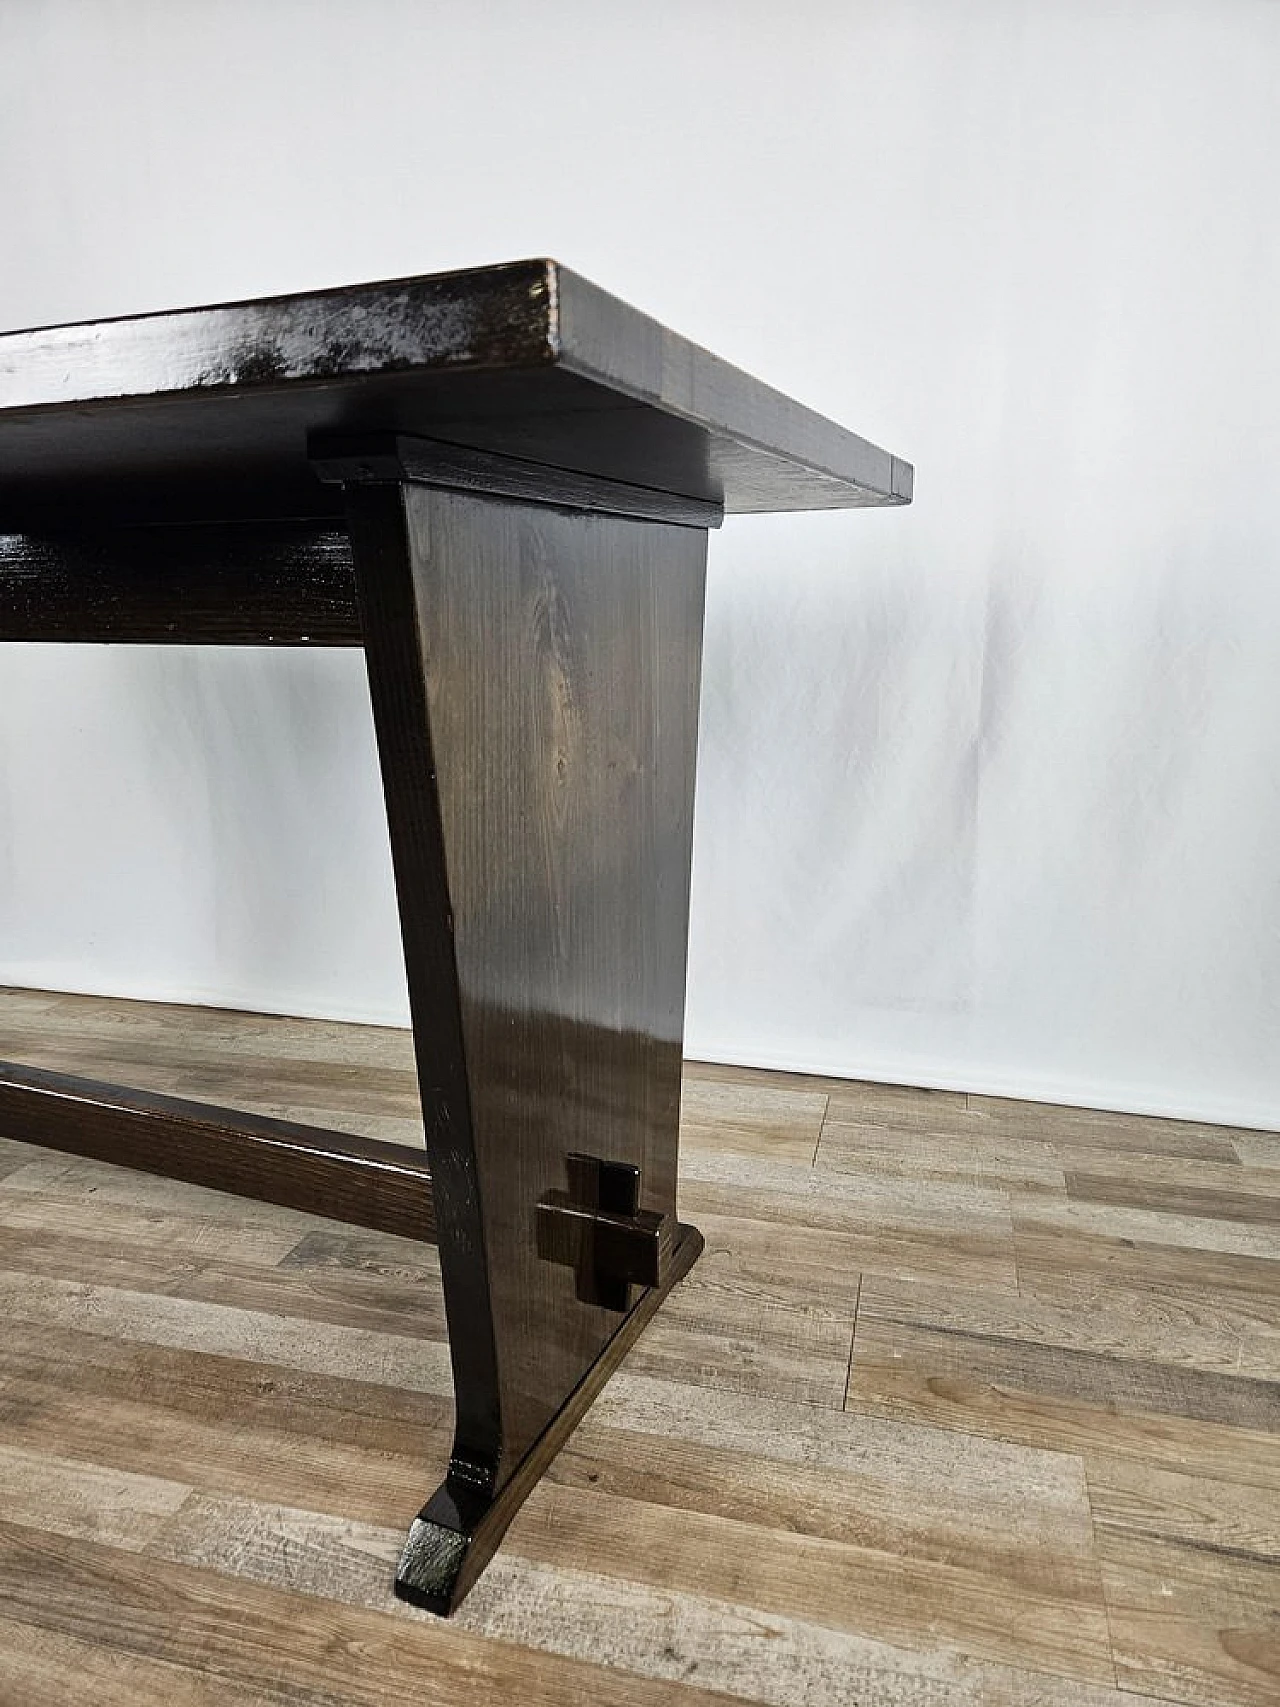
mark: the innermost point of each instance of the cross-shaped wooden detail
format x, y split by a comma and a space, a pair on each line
598, 1229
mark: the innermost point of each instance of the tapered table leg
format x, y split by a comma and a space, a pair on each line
534, 666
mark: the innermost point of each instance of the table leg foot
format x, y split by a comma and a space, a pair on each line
435, 1555
457, 1532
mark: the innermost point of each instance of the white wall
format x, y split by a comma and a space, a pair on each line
988, 791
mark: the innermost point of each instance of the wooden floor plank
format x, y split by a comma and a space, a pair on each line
15, 1156
228, 1330
1220, 1334
1149, 1226
362, 1449
1188, 1624
1260, 1150
1107, 1382
1142, 1168
772, 1190
1232, 1519
969, 1402
412, 1308
83, 1184
1191, 1568
939, 1161
168, 1062
820, 1264
1040, 1540
1077, 1247
38, 1664
1012, 1481
719, 1340
351, 1078
892, 1596
1242, 1202
1103, 1128
243, 1632
900, 1105
759, 1078
123, 1211
770, 1122
946, 1392
627, 1625
72, 1497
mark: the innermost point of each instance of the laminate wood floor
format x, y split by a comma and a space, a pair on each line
970, 1401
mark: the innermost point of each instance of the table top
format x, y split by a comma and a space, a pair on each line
204, 413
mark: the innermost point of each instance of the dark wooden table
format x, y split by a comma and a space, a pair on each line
499, 482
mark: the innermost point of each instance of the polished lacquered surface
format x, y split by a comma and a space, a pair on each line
207, 412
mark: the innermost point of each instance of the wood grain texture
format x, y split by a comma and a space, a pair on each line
329, 1173
244, 1632
1257, 1150
955, 1352
771, 1122
350, 1078
1044, 1486
1210, 1514
265, 584
1194, 1328
1228, 1200
1101, 1128
1188, 1624
875, 1150
37, 1664
555, 662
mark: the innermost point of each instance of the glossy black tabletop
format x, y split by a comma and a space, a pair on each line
209, 412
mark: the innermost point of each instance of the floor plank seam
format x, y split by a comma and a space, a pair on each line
1104, 1600
853, 1340
822, 1127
